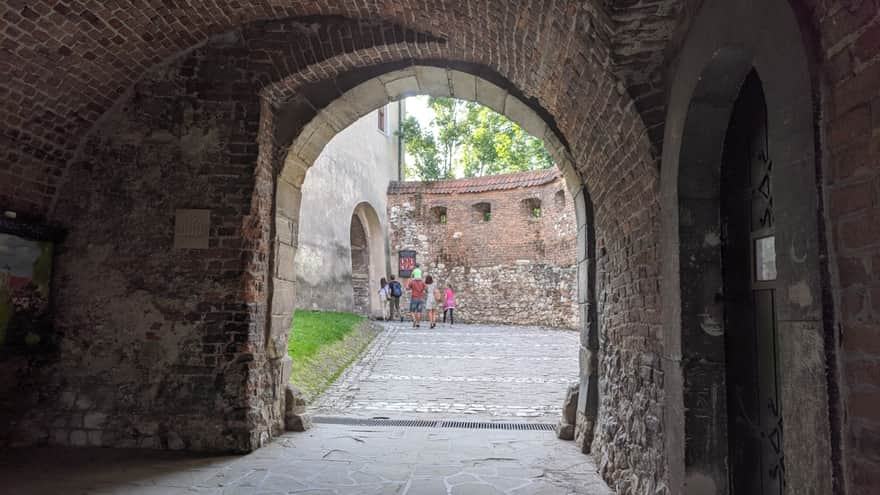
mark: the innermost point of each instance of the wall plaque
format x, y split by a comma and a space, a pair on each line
192, 229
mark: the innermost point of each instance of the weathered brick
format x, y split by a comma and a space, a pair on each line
853, 198
857, 90
856, 270
862, 474
862, 373
853, 159
860, 338
846, 20
861, 230
853, 124
868, 44
863, 404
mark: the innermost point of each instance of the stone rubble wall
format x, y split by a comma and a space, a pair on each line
514, 269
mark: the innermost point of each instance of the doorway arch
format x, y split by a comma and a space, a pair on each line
367, 259
360, 266
716, 69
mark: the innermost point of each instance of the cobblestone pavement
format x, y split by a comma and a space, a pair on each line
458, 372
327, 460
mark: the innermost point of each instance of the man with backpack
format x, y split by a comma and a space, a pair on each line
395, 292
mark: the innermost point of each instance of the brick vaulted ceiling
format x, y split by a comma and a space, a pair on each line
66, 62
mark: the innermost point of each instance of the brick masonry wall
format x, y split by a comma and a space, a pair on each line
298, 67
850, 58
68, 66
155, 340
514, 269
160, 347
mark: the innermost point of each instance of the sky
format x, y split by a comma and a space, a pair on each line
417, 106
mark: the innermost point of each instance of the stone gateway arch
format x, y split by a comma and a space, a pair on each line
164, 147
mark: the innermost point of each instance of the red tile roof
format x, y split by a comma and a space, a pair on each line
477, 184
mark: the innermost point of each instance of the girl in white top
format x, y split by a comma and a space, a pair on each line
384, 295
431, 302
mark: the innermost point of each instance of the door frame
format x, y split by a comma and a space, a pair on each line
726, 40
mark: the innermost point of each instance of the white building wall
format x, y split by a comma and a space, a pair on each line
354, 168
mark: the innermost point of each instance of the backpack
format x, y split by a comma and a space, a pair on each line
395, 289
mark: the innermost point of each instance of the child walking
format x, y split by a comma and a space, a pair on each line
449, 305
384, 296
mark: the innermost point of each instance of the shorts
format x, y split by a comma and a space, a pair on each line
416, 306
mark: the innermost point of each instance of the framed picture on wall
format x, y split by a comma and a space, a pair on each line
406, 263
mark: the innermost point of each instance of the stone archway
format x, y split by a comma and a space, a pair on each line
221, 120
698, 298
443, 81
368, 259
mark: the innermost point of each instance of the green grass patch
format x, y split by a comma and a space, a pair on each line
313, 330
322, 345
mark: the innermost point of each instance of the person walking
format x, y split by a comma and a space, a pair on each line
395, 291
416, 299
384, 297
449, 305
432, 300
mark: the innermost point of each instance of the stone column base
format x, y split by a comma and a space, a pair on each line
295, 417
584, 432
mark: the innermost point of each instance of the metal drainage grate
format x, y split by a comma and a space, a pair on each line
431, 423
414, 423
498, 426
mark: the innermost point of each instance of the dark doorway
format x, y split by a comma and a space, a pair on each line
754, 417
360, 266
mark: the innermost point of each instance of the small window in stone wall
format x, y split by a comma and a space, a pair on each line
559, 198
482, 212
532, 206
438, 213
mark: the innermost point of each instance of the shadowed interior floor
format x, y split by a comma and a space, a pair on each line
329, 459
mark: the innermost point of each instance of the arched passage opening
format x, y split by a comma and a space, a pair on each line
360, 266
443, 81
746, 356
367, 259
203, 357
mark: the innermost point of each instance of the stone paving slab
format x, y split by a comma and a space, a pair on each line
329, 459
458, 372
472, 372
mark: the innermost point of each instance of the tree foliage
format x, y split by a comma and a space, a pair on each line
470, 139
